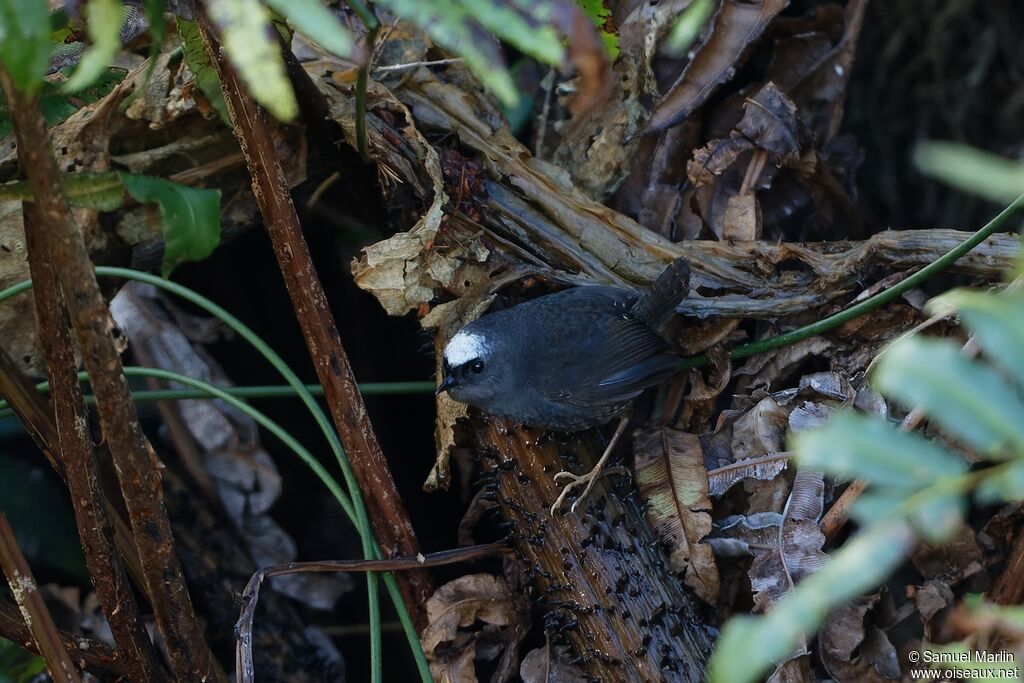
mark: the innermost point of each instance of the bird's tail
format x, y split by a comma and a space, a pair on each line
656, 306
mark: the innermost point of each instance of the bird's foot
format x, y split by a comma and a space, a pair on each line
573, 481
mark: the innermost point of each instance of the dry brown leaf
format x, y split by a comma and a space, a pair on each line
735, 27
770, 122
738, 535
548, 665
766, 467
711, 160
474, 616
742, 222
853, 650
760, 430
795, 670
797, 548
670, 475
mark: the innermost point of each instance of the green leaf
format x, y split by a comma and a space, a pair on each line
459, 25
998, 325
856, 446
688, 26
199, 64
252, 45
312, 18
601, 15
25, 41
191, 217
104, 21
967, 399
18, 665
972, 170
937, 513
157, 28
57, 105
748, 646
1006, 486
100, 191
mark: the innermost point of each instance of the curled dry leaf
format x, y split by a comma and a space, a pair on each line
739, 535
760, 430
596, 147
930, 599
735, 27
670, 475
474, 616
796, 552
853, 649
765, 468
771, 123
403, 270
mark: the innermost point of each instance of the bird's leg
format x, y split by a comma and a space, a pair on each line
574, 480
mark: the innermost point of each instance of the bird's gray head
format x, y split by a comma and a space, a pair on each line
475, 370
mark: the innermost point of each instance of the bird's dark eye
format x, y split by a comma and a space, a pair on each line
477, 366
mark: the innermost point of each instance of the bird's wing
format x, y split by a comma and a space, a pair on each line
616, 363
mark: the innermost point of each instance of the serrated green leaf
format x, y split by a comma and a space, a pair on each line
967, 399
104, 21
855, 446
199, 64
1007, 486
972, 170
998, 325
748, 646
25, 41
254, 51
191, 217
312, 18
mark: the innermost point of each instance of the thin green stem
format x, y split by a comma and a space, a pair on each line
270, 425
364, 13
266, 391
370, 548
871, 303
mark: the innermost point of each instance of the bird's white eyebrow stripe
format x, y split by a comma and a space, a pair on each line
464, 347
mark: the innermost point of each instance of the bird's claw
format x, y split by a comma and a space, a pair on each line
573, 481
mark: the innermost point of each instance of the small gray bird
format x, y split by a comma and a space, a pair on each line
568, 361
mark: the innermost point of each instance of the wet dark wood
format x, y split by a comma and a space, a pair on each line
599, 574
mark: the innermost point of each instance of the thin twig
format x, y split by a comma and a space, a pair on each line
416, 65
33, 609
362, 78
137, 464
106, 571
251, 595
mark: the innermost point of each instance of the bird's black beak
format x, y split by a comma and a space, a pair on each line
447, 383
